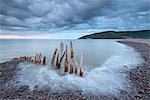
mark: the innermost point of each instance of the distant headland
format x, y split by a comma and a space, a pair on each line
144, 34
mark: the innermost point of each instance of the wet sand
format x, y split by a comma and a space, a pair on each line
139, 82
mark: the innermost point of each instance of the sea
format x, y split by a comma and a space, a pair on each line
105, 62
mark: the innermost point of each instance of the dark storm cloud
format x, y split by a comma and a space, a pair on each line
15, 8
74, 14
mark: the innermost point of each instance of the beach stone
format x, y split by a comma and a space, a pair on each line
141, 91
83, 98
30, 97
23, 88
36, 87
138, 96
1, 74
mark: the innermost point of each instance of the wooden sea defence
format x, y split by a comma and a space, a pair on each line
72, 67
36, 59
54, 56
66, 60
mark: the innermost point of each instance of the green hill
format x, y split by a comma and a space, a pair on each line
144, 34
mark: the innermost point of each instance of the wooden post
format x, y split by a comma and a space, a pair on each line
61, 59
71, 51
71, 58
81, 69
71, 68
81, 72
76, 70
36, 58
54, 56
30, 59
44, 60
39, 58
57, 60
66, 61
61, 49
66, 66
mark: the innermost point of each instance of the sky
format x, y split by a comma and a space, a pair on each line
70, 19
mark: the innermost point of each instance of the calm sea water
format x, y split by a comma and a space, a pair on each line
103, 64
95, 52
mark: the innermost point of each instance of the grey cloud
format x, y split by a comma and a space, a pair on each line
74, 14
15, 8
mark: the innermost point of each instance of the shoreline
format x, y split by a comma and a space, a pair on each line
139, 78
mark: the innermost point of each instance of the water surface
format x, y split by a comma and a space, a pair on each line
95, 52
104, 62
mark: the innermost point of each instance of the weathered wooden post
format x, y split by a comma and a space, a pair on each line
61, 49
81, 69
81, 72
26, 58
66, 61
71, 58
76, 64
76, 69
71, 68
54, 56
36, 58
44, 60
57, 60
61, 60
40, 58
30, 58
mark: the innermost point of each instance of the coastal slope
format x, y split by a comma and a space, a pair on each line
144, 34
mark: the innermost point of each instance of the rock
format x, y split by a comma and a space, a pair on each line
30, 97
1, 73
83, 98
80, 93
23, 88
138, 96
141, 91
36, 87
